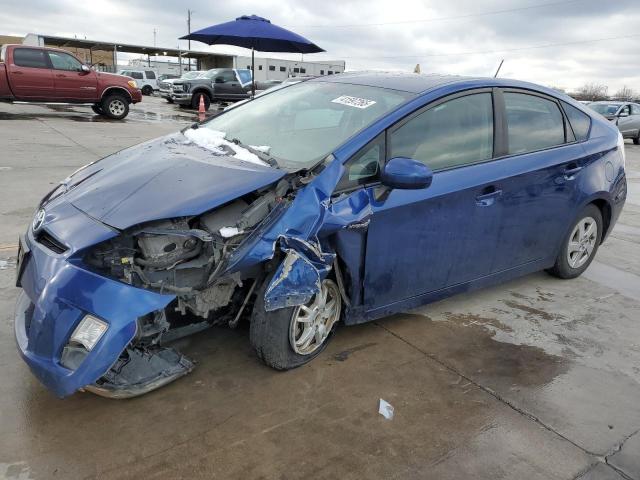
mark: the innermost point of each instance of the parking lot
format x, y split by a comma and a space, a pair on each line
538, 378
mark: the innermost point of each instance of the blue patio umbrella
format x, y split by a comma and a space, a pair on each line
256, 33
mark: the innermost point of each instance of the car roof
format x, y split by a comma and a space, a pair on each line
612, 102
408, 82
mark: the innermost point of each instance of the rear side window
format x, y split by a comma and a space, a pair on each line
150, 75
30, 57
533, 123
580, 121
454, 133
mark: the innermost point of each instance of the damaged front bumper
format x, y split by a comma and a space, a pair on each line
57, 294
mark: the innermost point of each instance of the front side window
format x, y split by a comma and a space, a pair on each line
150, 74
30, 57
302, 124
625, 110
533, 123
580, 121
456, 132
364, 166
64, 61
136, 75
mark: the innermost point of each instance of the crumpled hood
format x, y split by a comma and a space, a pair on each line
163, 178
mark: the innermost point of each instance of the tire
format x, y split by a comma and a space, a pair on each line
147, 90
571, 265
270, 332
97, 108
195, 101
636, 141
115, 106
169, 100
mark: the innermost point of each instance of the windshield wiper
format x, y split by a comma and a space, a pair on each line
264, 156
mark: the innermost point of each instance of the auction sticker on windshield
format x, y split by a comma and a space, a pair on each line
353, 101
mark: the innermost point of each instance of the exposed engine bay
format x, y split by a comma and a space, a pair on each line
185, 257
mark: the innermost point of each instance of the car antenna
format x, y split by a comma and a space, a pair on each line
499, 67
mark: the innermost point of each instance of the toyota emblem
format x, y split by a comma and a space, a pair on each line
38, 220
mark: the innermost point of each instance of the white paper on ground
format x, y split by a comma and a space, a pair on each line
385, 409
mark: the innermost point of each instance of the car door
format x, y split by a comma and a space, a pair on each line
29, 74
542, 167
635, 120
226, 85
626, 122
71, 82
421, 241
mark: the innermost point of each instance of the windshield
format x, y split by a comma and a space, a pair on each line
211, 73
190, 75
300, 125
604, 108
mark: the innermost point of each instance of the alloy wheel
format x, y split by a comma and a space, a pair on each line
582, 242
311, 324
116, 107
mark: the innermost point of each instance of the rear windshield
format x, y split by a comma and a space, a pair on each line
605, 108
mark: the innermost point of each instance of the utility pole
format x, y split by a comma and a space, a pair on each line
154, 37
189, 12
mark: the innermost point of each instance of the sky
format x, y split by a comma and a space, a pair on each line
557, 43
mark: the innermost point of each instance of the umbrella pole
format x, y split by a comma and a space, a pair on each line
253, 78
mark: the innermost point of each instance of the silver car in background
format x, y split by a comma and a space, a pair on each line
625, 114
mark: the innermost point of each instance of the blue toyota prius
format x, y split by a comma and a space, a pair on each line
338, 199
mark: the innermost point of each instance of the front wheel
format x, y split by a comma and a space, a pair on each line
147, 90
580, 245
636, 140
115, 106
290, 337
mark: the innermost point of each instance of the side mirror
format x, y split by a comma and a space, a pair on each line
406, 173
85, 68
219, 80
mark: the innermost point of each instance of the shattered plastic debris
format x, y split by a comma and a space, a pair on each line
385, 409
214, 140
228, 232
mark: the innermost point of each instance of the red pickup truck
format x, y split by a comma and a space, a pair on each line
36, 74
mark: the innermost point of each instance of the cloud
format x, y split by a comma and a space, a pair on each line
473, 43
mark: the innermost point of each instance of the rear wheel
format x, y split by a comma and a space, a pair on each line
580, 245
290, 337
195, 101
115, 106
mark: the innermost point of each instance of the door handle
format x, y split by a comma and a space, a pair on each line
61, 75
488, 199
570, 173
17, 73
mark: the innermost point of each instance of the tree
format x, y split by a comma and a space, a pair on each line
625, 94
592, 92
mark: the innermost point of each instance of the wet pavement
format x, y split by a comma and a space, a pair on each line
537, 378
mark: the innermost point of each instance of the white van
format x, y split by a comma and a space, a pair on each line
146, 79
